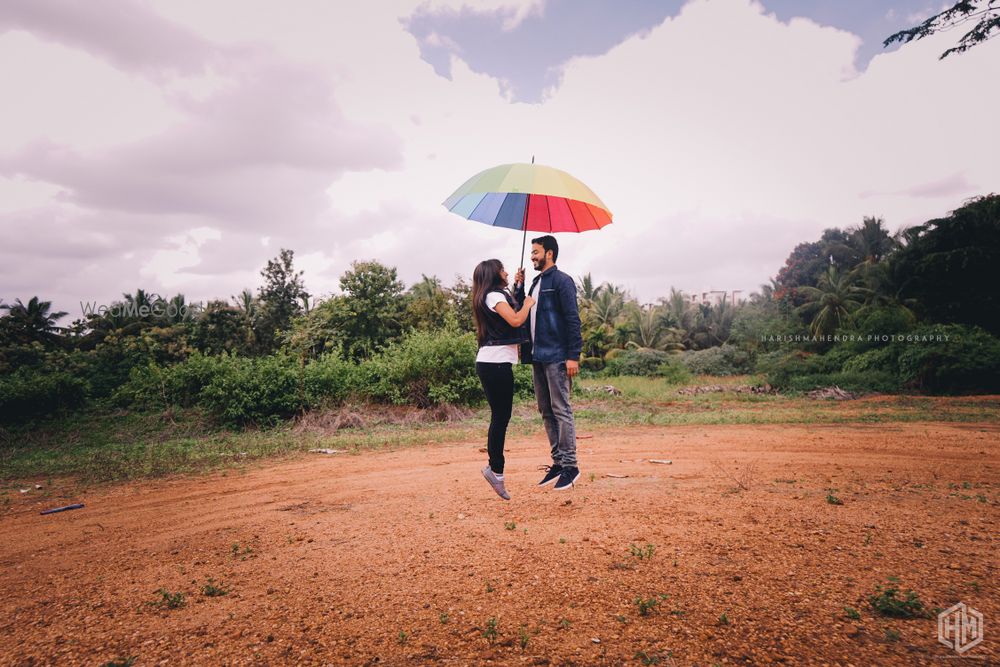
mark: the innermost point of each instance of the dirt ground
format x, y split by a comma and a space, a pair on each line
407, 557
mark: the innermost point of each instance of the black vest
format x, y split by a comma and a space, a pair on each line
498, 332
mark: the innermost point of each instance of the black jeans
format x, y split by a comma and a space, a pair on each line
498, 383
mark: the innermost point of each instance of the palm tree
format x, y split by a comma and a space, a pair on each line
177, 310
872, 241
32, 322
428, 288
831, 302
606, 306
719, 321
650, 328
587, 290
882, 286
246, 302
766, 293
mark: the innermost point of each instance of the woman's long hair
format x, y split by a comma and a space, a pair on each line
485, 279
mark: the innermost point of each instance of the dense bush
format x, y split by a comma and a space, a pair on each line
330, 379
877, 381
643, 361
259, 391
673, 371
424, 369
782, 367
878, 360
969, 361
723, 360
650, 363
28, 393
179, 384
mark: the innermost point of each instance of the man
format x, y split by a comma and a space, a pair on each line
555, 355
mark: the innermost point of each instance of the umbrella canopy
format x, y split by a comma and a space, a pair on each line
529, 197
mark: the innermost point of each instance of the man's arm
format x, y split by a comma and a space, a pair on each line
571, 315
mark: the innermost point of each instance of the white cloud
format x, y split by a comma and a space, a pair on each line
167, 266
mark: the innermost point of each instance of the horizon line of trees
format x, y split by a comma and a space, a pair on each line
860, 277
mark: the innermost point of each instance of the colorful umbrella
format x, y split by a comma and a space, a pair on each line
529, 197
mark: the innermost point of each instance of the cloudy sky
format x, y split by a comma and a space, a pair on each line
176, 145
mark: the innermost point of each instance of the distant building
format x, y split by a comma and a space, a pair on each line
713, 297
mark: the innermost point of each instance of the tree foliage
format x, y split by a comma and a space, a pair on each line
982, 15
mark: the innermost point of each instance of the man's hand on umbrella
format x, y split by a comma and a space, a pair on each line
572, 367
519, 276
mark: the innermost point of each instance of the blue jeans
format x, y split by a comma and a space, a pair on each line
552, 394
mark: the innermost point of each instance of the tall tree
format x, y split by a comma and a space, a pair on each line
983, 15
369, 314
280, 297
949, 265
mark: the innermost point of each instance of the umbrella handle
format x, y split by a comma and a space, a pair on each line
524, 224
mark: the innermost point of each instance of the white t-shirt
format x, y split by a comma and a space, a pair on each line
496, 354
534, 307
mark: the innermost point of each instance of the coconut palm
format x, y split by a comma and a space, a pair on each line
34, 321
872, 241
829, 305
650, 328
606, 306
586, 289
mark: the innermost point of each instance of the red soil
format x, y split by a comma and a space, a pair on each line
338, 555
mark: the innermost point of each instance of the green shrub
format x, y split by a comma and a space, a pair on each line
259, 391
886, 602
879, 359
673, 371
722, 360
179, 384
426, 368
330, 379
643, 361
28, 393
877, 381
591, 363
887, 320
782, 368
969, 361
524, 386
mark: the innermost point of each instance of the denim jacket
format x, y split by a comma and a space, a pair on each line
557, 331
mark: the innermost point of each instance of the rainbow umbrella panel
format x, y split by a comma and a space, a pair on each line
529, 197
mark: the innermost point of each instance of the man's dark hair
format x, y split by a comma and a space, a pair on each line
548, 243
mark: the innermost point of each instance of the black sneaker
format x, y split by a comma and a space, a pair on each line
567, 477
552, 473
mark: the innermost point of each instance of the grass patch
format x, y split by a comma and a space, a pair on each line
888, 602
106, 446
168, 600
211, 589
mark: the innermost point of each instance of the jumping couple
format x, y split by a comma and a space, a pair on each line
542, 328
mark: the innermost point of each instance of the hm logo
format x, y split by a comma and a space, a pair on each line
960, 627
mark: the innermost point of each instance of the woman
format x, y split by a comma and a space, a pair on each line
498, 328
